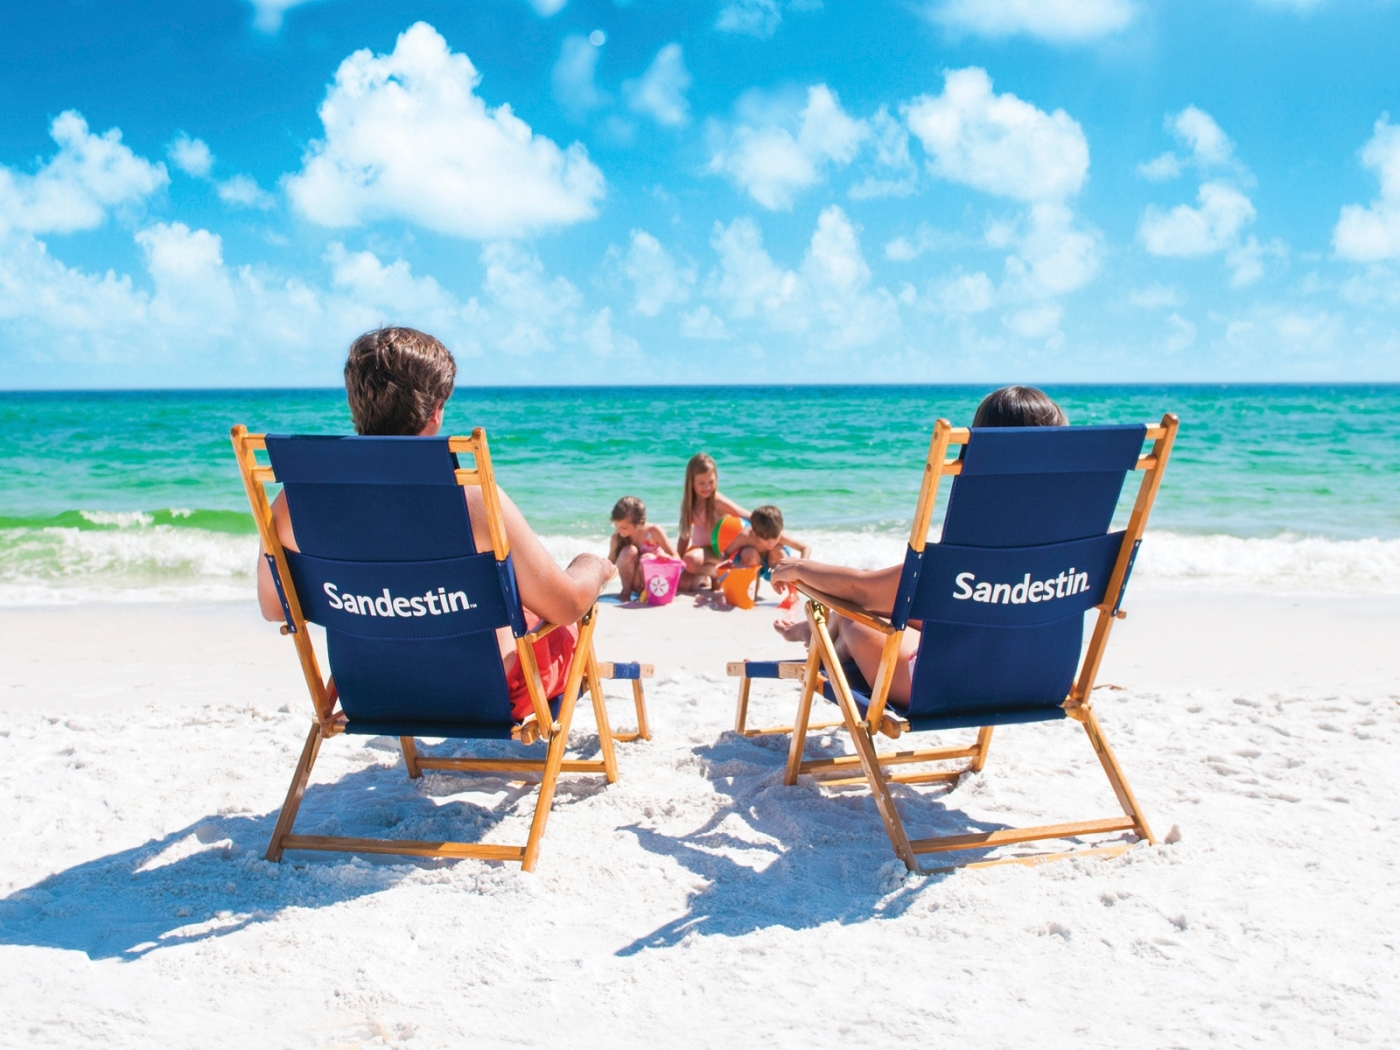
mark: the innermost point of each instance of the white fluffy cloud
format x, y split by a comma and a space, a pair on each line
1007, 147
192, 156
703, 323
657, 279
1208, 147
1058, 21
1156, 296
1222, 211
773, 152
1369, 233
573, 77
660, 92
1053, 256
407, 138
244, 191
893, 173
998, 144
829, 295
1212, 226
964, 293
76, 187
267, 14
757, 18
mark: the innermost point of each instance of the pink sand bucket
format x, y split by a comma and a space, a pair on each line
661, 577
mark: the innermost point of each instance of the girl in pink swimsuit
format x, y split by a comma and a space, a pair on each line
702, 507
632, 537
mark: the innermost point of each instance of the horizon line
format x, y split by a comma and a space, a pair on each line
1179, 384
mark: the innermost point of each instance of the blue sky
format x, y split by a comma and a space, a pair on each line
226, 192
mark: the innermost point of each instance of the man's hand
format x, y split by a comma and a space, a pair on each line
788, 570
592, 571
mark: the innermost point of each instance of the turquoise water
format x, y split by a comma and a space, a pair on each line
1250, 461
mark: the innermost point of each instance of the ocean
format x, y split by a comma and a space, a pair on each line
134, 495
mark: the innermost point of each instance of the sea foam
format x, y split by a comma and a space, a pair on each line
131, 560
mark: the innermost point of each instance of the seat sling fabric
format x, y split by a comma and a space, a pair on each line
388, 566
1025, 552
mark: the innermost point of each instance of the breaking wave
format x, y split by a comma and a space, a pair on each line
184, 555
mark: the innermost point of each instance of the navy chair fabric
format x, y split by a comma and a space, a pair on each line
1025, 552
388, 566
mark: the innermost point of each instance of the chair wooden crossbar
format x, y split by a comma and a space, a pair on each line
824, 666
541, 725
634, 673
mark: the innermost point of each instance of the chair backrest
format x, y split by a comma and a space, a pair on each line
1025, 552
388, 566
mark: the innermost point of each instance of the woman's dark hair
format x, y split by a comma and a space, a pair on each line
395, 379
1019, 406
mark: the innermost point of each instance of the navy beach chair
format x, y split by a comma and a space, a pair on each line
1025, 553
388, 566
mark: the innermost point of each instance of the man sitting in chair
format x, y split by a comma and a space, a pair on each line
397, 381
875, 589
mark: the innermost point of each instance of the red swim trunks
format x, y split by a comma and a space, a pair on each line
554, 652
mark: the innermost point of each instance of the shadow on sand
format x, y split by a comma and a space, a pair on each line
796, 856
209, 879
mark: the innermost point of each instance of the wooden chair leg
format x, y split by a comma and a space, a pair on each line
984, 744
295, 792
860, 738
741, 710
804, 716
1109, 761
410, 757
639, 699
600, 715
554, 761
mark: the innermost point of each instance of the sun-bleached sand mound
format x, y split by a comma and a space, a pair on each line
698, 902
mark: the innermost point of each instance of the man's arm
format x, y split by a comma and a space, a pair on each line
871, 589
558, 595
268, 602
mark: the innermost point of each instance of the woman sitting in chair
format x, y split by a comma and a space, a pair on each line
875, 589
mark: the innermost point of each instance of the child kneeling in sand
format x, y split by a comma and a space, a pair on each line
397, 381
764, 543
631, 539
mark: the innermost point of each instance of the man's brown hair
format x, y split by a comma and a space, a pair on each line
767, 522
395, 379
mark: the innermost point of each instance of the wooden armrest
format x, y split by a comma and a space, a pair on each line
540, 631
609, 671
846, 609
792, 669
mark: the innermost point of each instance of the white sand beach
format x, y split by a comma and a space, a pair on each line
699, 902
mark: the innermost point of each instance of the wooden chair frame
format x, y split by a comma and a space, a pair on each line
639, 696
540, 725
823, 665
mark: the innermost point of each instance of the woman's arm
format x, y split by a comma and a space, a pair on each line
659, 537
871, 589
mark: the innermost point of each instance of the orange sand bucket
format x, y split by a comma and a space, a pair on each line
738, 587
